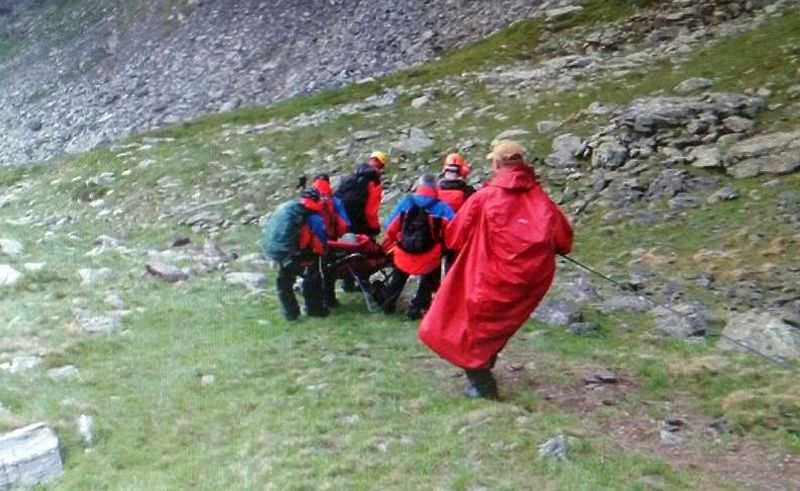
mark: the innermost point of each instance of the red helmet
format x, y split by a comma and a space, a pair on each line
455, 162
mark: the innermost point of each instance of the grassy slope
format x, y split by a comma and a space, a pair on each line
352, 402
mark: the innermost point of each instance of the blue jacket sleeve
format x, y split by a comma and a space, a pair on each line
399, 208
342, 212
443, 210
317, 225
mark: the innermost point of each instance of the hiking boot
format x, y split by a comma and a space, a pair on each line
414, 313
482, 385
319, 313
349, 285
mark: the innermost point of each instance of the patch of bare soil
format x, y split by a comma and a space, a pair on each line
668, 429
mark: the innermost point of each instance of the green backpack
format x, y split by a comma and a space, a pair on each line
281, 234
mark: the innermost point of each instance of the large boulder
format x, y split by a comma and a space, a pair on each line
29, 457
648, 115
773, 153
763, 331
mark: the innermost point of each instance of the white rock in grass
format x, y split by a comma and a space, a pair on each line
29, 457
253, 281
555, 447
9, 276
85, 425
63, 373
91, 276
11, 248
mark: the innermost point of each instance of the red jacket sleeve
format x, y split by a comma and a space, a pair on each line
372, 210
392, 234
562, 231
309, 240
459, 230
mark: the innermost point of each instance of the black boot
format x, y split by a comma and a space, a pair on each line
285, 283
313, 292
481, 384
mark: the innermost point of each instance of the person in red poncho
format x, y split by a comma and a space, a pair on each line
507, 236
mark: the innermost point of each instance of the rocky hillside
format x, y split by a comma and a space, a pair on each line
142, 345
78, 73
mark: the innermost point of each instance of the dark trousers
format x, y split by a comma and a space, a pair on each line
428, 284
329, 282
449, 259
309, 270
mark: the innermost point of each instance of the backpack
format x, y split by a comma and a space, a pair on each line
353, 190
419, 233
281, 234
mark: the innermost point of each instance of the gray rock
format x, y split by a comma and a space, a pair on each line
365, 135
669, 438
683, 321
97, 324
93, 276
11, 248
417, 142
738, 124
545, 127
253, 281
632, 303
583, 328
706, 157
562, 12
30, 457
166, 272
555, 448
557, 312
420, 101
683, 201
601, 376
598, 108
566, 148
774, 153
726, 193
510, 135
85, 425
9, 276
64, 373
693, 85
21, 364
34, 267
609, 155
763, 331
204, 219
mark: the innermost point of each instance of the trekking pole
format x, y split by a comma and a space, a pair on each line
627, 287
361, 287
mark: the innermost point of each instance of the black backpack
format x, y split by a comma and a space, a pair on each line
419, 233
353, 190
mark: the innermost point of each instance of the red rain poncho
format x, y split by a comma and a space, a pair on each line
507, 236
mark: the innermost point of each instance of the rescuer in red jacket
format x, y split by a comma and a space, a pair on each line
454, 190
507, 236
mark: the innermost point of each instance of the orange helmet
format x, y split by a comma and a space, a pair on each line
455, 162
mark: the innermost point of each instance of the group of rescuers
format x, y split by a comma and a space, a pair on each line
498, 246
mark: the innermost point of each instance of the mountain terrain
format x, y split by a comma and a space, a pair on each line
140, 323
